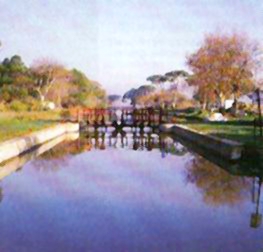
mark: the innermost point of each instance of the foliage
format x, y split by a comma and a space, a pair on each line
157, 79
84, 92
216, 185
173, 75
23, 88
10, 92
223, 67
10, 69
135, 94
113, 98
3, 107
33, 104
149, 96
129, 94
165, 99
17, 106
46, 74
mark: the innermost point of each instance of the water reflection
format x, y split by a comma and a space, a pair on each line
217, 186
129, 186
256, 216
134, 140
16, 164
100, 140
220, 183
53, 156
227, 184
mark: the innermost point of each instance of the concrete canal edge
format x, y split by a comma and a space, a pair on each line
19, 145
228, 149
15, 163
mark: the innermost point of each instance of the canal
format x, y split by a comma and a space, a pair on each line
127, 191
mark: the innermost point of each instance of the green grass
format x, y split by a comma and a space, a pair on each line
19, 124
241, 131
237, 129
238, 132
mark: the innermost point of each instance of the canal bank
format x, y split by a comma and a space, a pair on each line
14, 164
19, 145
231, 150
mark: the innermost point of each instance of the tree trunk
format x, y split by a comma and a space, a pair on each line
42, 97
221, 99
204, 104
234, 106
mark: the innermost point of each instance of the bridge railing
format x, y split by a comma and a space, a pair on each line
99, 117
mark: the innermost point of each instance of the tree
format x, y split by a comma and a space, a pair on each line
174, 75
113, 98
14, 79
223, 67
45, 74
10, 69
134, 94
157, 79
129, 94
86, 92
46, 80
16, 65
169, 98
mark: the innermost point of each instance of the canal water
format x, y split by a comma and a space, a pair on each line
129, 191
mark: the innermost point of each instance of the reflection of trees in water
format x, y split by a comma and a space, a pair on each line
49, 165
256, 216
1, 194
59, 156
217, 186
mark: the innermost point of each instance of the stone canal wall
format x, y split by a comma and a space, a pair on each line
17, 146
10, 166
228, 149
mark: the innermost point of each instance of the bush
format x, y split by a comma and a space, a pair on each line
65, 114
9, 92
3, 107
33, 104
18, 106
184, 104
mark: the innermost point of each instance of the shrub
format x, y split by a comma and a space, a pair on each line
18, 106
33, 104
65, 114
3, 107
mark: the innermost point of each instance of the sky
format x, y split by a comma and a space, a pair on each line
119, 43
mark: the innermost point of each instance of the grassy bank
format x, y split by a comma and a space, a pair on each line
241, 131
237, 129
14, 124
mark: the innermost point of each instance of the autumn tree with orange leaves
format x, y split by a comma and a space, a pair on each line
46, 73
224, 67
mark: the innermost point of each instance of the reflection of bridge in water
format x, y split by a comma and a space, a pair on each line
132, 139
148, 141
124, 117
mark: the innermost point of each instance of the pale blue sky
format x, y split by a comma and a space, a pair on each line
119, 42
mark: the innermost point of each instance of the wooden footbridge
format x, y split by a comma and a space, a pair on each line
123, 117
